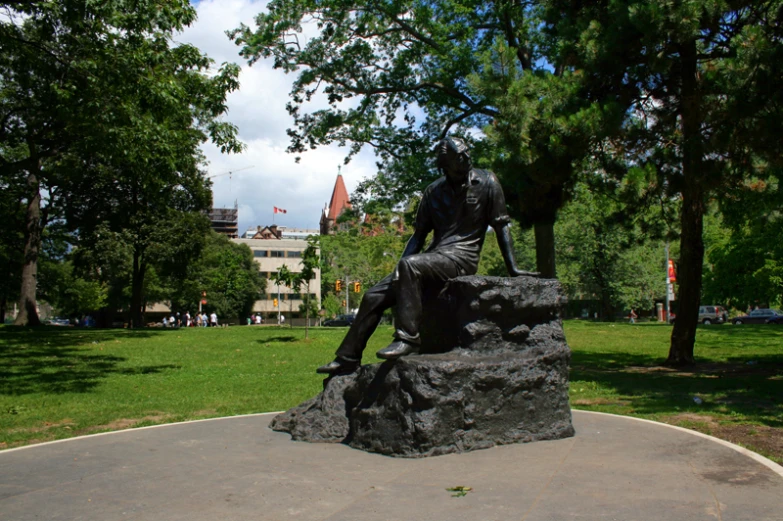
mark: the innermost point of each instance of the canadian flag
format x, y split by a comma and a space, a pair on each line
279, 210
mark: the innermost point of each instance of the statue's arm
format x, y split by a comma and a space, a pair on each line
415, 243
422, 227
503, 233
499, 220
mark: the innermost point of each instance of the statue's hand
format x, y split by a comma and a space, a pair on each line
521, 273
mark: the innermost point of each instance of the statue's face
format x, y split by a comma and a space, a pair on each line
454, 164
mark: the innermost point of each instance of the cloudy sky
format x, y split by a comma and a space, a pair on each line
258, 109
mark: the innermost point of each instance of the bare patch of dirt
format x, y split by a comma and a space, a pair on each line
715, 369
125, 423
65, 423
765, 440
599, 401
204, 413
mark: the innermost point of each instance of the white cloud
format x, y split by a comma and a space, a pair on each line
258, 109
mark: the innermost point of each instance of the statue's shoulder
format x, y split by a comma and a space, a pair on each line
435, 184
485, 176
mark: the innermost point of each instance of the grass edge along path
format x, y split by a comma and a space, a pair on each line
58, 383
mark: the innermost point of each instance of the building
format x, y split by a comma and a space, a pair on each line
336, 206
225, 221
271, 249
278, 232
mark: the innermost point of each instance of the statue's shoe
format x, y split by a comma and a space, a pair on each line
397, 349
338, 366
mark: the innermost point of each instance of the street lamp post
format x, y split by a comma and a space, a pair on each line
668, 282
278, 294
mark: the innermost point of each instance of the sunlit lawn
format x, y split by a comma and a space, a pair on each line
62, 382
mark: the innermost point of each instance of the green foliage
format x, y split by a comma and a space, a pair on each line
746, 269
694, 77
491, 262
229, 274
354, 256
609, 253
398, 76
311, 260
69, 294
332, 304
104, 113
11, 250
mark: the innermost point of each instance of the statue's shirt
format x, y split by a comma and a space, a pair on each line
459, 216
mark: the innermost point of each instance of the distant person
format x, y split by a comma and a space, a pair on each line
204, 320
633, 316
165, 322
179, 320
282, 320
213, 322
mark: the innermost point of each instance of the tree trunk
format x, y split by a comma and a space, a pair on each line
692, 219
28, 315
307, 310
137, 286
545, 249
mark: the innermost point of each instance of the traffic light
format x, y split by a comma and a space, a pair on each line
357, 287
338, 285
343, 303
274, 302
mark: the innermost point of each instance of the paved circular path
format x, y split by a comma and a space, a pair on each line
615, 468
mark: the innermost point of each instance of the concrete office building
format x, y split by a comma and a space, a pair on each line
271, 252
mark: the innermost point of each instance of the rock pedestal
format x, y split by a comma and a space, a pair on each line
493, 370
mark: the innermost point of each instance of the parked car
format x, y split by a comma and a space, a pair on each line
58, 321
757, 316
340, 321
712, 315
777, 320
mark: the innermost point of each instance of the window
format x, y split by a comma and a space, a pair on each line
260, 253
294, 254
277, 253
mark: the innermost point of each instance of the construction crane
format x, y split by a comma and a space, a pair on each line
229, 172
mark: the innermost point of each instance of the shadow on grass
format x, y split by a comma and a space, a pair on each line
751, 386
55, 360
289, 338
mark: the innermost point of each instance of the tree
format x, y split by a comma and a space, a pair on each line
230, 276
381, 66
332, 305
11, 255
95, 91
68, 293
744, 256
310, 262
698, 74
611, 248
284, 276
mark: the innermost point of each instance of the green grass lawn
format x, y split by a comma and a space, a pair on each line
61, 382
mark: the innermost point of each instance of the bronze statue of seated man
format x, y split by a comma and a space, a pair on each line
458, 208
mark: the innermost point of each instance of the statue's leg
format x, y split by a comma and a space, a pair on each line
376, 300
411, 275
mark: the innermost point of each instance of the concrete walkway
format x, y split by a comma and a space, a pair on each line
615, 468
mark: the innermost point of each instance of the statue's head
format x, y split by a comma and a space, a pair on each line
453, 157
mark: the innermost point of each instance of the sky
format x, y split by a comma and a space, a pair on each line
258, 110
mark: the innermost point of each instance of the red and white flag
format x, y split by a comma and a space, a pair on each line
279, 210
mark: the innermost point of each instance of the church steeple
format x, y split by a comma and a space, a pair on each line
338, 203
